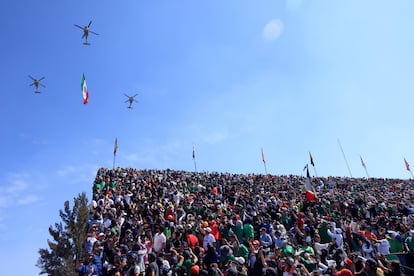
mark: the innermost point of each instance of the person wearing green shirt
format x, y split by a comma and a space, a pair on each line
248, 230
287, 250
308, 260
323, 232
409, 246
409, 242
243, 251
396, 245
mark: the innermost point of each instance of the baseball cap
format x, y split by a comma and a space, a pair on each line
240, 260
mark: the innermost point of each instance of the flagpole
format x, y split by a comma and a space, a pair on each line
364, 166
316, 173
115, 151
194, 159
313, 164
407, 166
343, 154
366, 171
264, 161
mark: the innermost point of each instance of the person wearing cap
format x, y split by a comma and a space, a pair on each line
370, 268
241, 267
336, 234
195, 270
308, 261
87, 267
132, 268
208, 239
152, 269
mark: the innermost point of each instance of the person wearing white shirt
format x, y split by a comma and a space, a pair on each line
337, 235
160, 240
208, 239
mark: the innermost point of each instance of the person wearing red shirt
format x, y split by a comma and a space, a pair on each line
192, 239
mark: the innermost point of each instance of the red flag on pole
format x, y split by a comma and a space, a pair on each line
407, 166
263, 157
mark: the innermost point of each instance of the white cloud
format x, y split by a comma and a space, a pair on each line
28, 199
17, 185
272, 30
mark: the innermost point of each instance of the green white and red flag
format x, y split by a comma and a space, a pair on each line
84, 90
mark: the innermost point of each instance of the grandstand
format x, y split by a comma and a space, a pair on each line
249, 224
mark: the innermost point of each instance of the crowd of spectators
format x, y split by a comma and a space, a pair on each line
167, 222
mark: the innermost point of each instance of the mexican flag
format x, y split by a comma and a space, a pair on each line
84, 90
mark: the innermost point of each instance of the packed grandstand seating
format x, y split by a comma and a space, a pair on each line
168, 222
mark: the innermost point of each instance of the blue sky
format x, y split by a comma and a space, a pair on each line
228, 76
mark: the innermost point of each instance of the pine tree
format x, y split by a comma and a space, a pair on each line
66, 248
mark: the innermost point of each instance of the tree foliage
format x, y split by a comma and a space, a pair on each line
67, 238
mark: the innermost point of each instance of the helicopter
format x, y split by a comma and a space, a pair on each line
36, 83
86, 32
131, 100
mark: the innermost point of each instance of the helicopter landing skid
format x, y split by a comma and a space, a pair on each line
86, 43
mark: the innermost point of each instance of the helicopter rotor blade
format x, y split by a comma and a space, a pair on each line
41, 78
42, 85
90, 22
134, 95
32, 77
126, 95
31, 84
93, 33
78, 26
83, 35
126, 101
